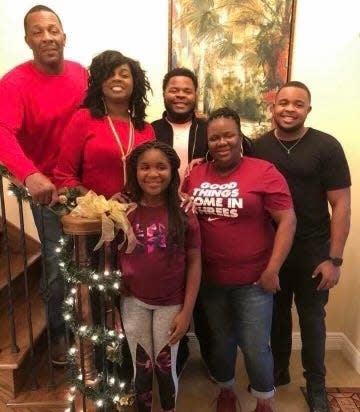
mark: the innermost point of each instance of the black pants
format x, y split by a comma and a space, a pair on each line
203, 335
296, 282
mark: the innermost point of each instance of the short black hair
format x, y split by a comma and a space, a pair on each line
227, 113
299, 85
40, 7
180, 71
101, 68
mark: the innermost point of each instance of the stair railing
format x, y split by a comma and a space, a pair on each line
15, 188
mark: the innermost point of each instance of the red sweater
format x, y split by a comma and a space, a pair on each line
34, 109
90, 155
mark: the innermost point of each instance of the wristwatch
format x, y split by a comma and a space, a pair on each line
336, 261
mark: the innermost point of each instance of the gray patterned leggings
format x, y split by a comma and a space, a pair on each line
146, 328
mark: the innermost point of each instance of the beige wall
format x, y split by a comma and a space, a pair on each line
326, 57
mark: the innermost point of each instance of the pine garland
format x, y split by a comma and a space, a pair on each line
106, 392
103, 393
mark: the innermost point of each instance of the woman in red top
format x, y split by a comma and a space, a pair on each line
105, 130
98, 140
237, 199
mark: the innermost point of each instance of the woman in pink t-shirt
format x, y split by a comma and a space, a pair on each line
161, 275
238, 199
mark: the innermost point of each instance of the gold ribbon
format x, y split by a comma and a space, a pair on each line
113, 215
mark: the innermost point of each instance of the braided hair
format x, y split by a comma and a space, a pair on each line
176, 216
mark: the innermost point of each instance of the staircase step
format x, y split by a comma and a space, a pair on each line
10, 360
33, 253
42, 399
14, 366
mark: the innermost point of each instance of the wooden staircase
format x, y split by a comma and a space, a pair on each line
18, 371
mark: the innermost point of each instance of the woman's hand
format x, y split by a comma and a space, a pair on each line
187, 202
120, 197
269, 281
179, 327
194, 162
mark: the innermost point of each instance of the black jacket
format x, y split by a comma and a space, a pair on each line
197, 136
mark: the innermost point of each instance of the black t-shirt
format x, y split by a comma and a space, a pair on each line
314, 166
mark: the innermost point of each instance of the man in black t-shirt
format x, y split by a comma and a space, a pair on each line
317, 172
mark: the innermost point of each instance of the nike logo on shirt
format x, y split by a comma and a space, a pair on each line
211, 219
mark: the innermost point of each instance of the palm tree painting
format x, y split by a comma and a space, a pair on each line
239, 49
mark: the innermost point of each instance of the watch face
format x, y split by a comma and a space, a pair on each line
337, 261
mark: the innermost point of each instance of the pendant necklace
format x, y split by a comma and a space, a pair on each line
118, 141
288, 149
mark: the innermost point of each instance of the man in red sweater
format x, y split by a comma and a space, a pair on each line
37, 99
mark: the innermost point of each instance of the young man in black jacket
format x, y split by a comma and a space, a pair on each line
180, 128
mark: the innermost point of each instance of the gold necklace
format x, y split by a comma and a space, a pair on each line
288, 149
118, 141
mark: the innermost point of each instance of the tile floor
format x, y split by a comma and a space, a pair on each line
197, 393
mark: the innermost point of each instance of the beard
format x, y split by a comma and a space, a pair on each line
176, 117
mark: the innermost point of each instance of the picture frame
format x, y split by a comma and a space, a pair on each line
240, 50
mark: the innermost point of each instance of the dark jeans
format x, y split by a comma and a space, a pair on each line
296, 281
240, 316
52, 282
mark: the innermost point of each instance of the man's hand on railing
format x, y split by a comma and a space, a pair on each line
41, 189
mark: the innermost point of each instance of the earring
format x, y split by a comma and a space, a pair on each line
105, 107
131, 110
208, 157
241, 151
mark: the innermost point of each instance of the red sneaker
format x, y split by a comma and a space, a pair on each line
226, 401
260, 407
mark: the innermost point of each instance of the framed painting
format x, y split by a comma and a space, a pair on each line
240, 51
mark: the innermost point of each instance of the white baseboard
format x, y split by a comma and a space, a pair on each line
351, 353
334, 341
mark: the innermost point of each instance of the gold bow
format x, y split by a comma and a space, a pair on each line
113, 215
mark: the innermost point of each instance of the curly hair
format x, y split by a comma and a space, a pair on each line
176, 216
101, 68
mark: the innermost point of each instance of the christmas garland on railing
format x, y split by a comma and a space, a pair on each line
103, 393
20, 192
4, 172
107, 392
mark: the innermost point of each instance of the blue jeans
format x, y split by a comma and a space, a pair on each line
52, 282
240, 316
